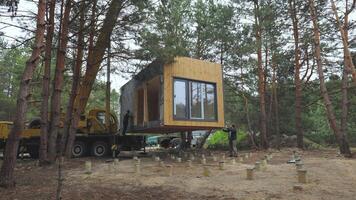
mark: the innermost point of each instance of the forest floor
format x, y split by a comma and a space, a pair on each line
329, 176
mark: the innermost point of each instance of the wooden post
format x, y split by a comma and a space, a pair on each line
264, 165
170, 170
223, 157
249, 173
257, 165
203, 161
88, 167
137, 168
221, 165
190, 163
246, 156
206, 171
302, 176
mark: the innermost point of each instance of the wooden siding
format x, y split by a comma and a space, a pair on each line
187, 68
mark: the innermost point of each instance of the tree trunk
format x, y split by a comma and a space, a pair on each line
261, 81
344, 36
344, 113
107, 92
344, 88
46, 83
275, 100
329, 108
58, 84
94, 60
8, 166
189, 139
76, 80
93, 19
297, 81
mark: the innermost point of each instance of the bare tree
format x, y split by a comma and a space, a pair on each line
343, 143
261, 76
344, 36
58, 83
8, 166
275, 99
45, 83
347, 66
297, 80
76, 79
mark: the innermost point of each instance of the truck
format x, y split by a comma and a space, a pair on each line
93, 137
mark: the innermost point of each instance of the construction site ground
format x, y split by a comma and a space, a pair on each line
329, 176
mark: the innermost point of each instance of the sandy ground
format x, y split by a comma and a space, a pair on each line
329, 176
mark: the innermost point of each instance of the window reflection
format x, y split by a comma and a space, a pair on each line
209, 102
196, 100
180, 99
200, 102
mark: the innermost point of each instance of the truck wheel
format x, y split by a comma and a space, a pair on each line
99, 149
78, 149
176, 143
165, 143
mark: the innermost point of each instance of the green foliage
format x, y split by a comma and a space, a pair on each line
319, 131
168, 33
220, 140
97, 98
12, 63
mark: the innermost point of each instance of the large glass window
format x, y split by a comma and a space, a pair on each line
194, 100
180, 98
209, 102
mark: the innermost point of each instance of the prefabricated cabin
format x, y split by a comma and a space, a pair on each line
183, 95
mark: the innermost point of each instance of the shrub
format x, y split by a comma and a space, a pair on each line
220, 140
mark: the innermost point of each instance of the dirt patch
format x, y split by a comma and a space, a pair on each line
329, 177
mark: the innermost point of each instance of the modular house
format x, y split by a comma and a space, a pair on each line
184, 95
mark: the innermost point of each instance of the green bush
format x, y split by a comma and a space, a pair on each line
220, 140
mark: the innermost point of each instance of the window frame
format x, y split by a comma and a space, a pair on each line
188, 101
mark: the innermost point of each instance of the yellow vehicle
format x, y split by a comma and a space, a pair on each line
93, 137
5, 127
